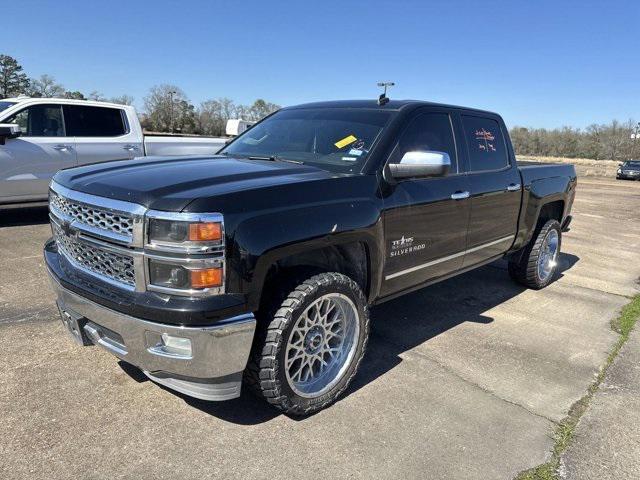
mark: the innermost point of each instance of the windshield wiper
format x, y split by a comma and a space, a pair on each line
274, 158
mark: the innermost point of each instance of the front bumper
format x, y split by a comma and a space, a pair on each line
628, 176
214, 369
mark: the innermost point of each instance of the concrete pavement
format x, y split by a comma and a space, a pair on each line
465, 379
606, 445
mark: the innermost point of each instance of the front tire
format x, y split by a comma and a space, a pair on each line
538, 265
311, 349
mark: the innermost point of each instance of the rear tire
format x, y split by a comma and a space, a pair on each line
538, 265
310, 350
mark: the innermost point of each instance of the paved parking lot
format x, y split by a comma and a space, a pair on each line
465, 379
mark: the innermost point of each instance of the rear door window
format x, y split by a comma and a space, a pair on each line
86, 121
485, 142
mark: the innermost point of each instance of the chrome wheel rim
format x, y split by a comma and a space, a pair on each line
548, 259
321, 345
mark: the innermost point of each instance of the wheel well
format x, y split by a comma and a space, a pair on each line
551, 211
350, 259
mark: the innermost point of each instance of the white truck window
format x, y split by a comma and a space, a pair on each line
88, 121
40, 121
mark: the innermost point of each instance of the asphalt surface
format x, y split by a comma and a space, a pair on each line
465, 379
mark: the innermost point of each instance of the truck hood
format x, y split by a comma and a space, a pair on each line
170, 184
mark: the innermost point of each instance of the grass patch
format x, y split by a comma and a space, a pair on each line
565, 431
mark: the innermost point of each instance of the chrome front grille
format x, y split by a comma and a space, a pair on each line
106, 238
92, 216
114, 266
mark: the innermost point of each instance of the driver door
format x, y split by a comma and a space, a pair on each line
425, 219
28, 163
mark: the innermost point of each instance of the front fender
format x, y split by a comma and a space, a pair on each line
262, 240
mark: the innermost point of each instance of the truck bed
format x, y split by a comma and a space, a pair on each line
177, 145
533, 171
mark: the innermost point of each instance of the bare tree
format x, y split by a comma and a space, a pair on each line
167, 108
210, 118
213, 114
261, 109
46, 86
96, 96
123, 100
601, 142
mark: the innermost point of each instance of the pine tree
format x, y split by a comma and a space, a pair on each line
12, 80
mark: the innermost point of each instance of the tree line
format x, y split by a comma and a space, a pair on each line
612, 141
166, 107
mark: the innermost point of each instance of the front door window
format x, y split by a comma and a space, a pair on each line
40, 121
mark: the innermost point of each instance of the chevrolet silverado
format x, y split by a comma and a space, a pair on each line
262, 262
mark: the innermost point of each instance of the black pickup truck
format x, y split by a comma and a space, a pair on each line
261, 262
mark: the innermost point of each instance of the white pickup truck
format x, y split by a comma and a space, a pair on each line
39, 136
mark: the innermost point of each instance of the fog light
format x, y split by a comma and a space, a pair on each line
168, 345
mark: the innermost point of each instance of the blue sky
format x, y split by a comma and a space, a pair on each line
538, 63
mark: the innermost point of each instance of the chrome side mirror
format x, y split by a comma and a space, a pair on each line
421, 164
9, 130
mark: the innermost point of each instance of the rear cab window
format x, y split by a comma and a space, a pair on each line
485, 144
88, 121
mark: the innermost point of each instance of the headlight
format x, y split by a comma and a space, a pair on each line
172, 231
619, 170
185, 253
181, 277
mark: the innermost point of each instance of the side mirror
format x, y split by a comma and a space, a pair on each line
421, 164
9, 130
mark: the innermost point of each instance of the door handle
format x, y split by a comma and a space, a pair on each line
514, 187
459, 195
62, 148
130, 148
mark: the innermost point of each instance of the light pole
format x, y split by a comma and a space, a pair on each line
635, 136
171, 94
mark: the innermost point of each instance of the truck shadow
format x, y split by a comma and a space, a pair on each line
24, 216
396, 327
407, 322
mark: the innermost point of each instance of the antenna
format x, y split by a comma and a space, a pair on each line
383, 99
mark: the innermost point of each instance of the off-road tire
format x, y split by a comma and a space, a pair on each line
265, 373
526, 270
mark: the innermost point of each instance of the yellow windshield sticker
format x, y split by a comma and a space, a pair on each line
345, 141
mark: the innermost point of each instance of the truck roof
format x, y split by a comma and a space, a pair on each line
391, 105
66, 101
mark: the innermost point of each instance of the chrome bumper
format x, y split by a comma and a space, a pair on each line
213, 371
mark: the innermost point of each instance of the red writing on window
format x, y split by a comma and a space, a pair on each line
485, 140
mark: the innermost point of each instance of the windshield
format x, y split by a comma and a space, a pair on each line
631, 164
5, 105
334, 139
